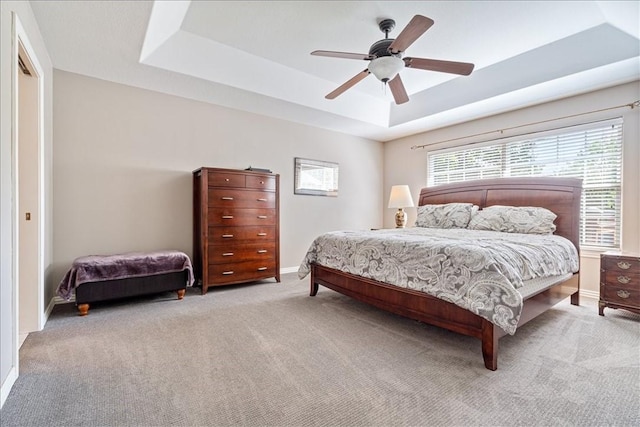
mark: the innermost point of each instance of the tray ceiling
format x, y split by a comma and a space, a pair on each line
255, 55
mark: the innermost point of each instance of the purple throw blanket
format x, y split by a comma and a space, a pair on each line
96, 268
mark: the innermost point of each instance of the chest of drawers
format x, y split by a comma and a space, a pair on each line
619, 282
235, 226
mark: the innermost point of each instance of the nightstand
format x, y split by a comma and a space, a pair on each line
619, 281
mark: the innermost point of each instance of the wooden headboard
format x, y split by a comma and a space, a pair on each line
559, 195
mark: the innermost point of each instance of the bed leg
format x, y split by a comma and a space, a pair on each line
313, 289
575, 298
181, 293
489, 345
83, 309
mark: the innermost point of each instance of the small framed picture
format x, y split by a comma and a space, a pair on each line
315, 177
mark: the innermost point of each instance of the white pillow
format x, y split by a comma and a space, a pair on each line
450, 215
514, 219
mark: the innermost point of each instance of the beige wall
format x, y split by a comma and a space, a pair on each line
406, 166
123, 160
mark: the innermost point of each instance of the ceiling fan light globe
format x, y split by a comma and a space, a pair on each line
386, 68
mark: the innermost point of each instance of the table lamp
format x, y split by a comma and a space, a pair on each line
400, 198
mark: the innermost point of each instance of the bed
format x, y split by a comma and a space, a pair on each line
559, 195
96, 278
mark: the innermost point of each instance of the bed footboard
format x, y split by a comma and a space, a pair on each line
433, 311
409, 303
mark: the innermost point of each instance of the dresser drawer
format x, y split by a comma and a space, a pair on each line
232, 235
621, 295
231, 216
241, 271
224, 179
622, 278
232, 253
263, 182
221, 197
626, 265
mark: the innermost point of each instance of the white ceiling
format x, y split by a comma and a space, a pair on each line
255, 55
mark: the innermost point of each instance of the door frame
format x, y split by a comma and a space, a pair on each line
21, 42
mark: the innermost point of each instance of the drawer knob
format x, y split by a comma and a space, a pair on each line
623, 294
226, 198
227, 236
262, 251
227, 254
624, 265
227, 216
623, 279
262, 217
262, 268
262, 234
226, 179
226, 273
262, 200
261, 182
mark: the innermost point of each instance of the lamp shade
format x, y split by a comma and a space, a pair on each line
385, 68
400, 197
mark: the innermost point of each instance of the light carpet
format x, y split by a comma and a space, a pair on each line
267, 354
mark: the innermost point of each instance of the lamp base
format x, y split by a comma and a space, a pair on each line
401, 218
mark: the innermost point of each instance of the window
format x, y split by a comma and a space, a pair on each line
591, 152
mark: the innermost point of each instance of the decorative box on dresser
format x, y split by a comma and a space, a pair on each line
619, 281
236, 236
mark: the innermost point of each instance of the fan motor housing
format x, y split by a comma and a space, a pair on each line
381, 48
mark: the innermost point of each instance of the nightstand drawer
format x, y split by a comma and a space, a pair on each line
624, 296
629, 265
622, 278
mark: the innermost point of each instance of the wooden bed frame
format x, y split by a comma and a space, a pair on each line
560, 195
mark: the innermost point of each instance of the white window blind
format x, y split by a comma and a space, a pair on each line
591, 152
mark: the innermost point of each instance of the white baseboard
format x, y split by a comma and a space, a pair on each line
589, 294
57, 300
49, 309
286, 270
7, 384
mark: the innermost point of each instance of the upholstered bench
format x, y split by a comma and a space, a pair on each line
104, 277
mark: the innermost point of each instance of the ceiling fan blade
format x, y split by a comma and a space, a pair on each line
347, 55
348, 84
463, 68
414, 29
398, 90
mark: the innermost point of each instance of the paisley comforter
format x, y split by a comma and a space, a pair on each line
477, 270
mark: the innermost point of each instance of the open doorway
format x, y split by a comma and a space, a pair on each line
28, 185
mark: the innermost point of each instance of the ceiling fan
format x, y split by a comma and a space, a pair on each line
387, 61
